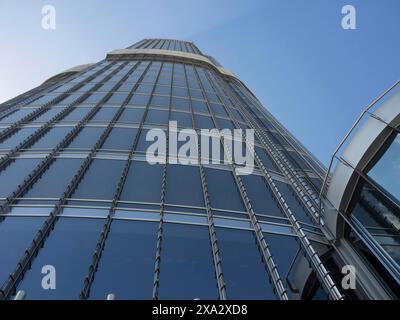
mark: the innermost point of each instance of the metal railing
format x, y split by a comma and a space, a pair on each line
348, 134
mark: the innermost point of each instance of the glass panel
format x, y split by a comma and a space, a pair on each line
157, 117
297, 209
139, 100
117, 98
186, 252
386, 171
49, 114
120, 139
69, 249
267, 162
260, 196
379, 216
77, 114
132, 115
17, 115
86, 138
203, 122
184, 119
199, 106
105, 114
143, 183
180, 104
51, 138
16, 234
184, 186
222, 190
55, 180
14, 140
14, 174
244, 272
127, 264
100, 180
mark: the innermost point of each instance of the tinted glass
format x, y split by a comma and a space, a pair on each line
100, 180
14, 140
186, 252
14, 174
184, 186
244, 272
143, 183
54, 180
129, 256
16, 234
120, 139
53, 137
69, 249
222, 190
86, 138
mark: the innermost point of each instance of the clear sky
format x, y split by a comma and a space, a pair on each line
314, 76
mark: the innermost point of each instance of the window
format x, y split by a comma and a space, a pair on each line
134, 115
139, 100
86, 138
48, 115
180, 104
222, 190
184, 119
17, 115
16, 234
386, 168
244, 272
259, 195
160, 101
120, 139
95, 98
186, 252
105, 114
293, 203
199, 106
69, 248
184, 186
117, 98
100, 180
219, 109
53, 137
18, 137
267, 162
126, 267
143, 183
157, 117
77, 114
225, 124
55, 180
203, 122
14, 174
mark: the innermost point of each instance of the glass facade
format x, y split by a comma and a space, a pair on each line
77, 193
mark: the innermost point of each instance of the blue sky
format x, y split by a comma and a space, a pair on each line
311, 74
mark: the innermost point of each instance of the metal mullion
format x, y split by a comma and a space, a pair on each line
210, 218
49, 159
270, 265
312, 255
278, 129
42, 130
302, 191
300, 187
9, 287
157, 264
107, 226
312, 193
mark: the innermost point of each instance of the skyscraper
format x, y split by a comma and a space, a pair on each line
84, 215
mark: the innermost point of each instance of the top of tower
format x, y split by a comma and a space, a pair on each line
167, 44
